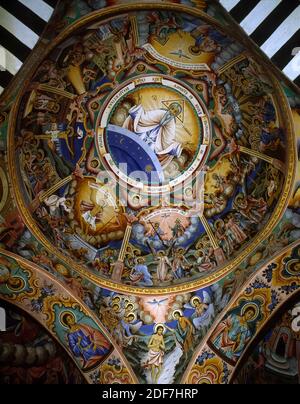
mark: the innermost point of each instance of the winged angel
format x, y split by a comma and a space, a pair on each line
204, 311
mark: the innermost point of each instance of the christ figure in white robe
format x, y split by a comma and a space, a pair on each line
157, 128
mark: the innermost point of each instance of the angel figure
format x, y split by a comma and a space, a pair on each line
162, 267
129, 327
204, 311
163, 261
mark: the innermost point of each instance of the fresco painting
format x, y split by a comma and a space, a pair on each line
31, 356
275, 358
196, 158
149, 202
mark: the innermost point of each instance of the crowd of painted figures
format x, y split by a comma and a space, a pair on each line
61, 162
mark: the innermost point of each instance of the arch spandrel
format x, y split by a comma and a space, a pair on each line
66, 318
246, 316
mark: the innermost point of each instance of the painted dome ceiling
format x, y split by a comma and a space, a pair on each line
150, 197
149, 135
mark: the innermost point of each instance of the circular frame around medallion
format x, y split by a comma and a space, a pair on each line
202, 115
286, 116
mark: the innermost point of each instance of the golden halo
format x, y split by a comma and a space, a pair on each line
217, 222
194, 299
177, 311
140, 67
251, 306
158, 326
136, 199
64, 315
161, 252
217, 142
116, 297
132, 314
239, 197
137, 259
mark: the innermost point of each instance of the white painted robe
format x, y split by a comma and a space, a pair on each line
162, 268
157, 128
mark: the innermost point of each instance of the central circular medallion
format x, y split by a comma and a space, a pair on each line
153, 133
